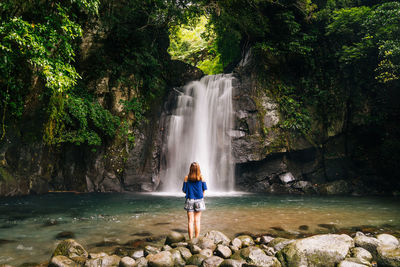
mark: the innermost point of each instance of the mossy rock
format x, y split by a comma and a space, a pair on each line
71, 249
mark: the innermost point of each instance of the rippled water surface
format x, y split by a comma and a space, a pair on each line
29, 225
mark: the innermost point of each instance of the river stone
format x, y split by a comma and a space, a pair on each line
246, 240
127, 262
71, 249
97, 255
388, 256
150, 250
196, 259
61, 261
218, 237
279, 243
231, 263
361, 253
236, 242
234, 248
185, 252
388, 240
141, 262
174, 237
161, 259
369, 243
137, 254
177, 257
213, 261
255, 256
350, 263
106, 261
206, 252
319, 250
266, 239
166, 248
223, 251
268, 250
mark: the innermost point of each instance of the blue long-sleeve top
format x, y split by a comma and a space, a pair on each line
194, 190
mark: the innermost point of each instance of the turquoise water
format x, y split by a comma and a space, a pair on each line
29, 225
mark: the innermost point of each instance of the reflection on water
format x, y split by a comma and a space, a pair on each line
29, 225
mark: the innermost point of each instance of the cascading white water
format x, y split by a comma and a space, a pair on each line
199, 131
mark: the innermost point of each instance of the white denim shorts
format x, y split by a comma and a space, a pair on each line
195, 204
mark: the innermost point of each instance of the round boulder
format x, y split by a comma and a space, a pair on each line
218, 237
361, 253
246, 240
366, 242
213, 261
127, 262
223, 251
206, 252
387, 240
255, 256
174, 237
185, 252
70, 248
196, 259
61, 261
319, 250
236, 242
177, 257
388, 256
161, 259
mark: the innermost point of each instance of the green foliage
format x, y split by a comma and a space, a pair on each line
195, 45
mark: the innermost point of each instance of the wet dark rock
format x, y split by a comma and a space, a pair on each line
213, 261
174, 237
107, 243
154, 238
123, 251
388, 256
65, 234
6, 241
304, 227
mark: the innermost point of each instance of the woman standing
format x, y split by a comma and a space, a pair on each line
194, 187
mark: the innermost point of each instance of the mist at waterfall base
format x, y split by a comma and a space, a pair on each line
199, 131
29, 225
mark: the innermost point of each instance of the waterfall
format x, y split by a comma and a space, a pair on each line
199, 130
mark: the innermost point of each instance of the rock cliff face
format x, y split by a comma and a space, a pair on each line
265, 161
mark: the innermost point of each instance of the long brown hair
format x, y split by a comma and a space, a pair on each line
194, 172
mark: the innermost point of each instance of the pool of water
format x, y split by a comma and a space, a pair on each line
29, 225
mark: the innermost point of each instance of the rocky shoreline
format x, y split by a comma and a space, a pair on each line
216, 249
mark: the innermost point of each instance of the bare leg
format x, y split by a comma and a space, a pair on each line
197, 217
190, 223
